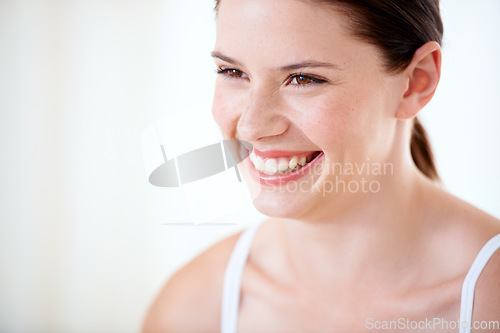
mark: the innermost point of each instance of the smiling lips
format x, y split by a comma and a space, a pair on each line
278, 167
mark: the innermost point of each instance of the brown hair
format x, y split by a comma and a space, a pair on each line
398, 28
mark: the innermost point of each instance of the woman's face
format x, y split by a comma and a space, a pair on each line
295, 82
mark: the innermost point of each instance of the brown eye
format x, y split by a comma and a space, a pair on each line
234, 73
231, 73
301, 79
305, 80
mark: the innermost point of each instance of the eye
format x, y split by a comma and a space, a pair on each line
231, 72
303, 80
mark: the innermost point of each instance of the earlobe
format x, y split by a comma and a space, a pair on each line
422, 77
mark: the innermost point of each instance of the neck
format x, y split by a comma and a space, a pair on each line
366, 234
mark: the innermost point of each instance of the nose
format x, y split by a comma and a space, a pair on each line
263, 116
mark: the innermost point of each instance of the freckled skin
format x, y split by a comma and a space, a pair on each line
350, 117
327, 262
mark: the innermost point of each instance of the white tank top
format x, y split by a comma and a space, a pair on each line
236, 264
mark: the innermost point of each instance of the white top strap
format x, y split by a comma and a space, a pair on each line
234, 271
469, 285
232, 280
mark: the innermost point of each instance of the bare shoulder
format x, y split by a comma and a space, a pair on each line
464, 222
476, 229
487, 295
487, 291
191, 299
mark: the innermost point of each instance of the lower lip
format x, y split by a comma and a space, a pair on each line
280, 179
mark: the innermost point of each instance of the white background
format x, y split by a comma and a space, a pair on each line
83, 241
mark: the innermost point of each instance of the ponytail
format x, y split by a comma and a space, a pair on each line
421, 151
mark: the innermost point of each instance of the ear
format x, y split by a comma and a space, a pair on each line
421, 78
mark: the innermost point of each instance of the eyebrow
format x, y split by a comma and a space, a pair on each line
220, 56
302, 64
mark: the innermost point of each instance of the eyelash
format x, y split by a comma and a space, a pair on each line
224, 72
314, 80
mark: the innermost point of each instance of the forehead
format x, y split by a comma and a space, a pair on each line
277, 31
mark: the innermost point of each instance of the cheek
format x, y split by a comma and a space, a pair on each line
225, 112
343, 123
327, 120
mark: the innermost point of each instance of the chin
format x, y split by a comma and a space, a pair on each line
281, 205
280, 202
286, 195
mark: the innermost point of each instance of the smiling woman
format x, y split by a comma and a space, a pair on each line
317, 87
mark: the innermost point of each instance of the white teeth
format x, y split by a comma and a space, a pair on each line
293, 162
283, 164
271, 166
259, 164
257, 161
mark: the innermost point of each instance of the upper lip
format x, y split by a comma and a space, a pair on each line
272, 153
